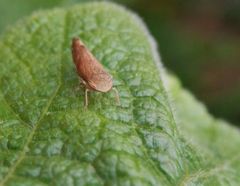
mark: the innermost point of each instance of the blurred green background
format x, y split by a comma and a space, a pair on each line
199, 41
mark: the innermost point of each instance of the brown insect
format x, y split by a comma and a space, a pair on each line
92, 74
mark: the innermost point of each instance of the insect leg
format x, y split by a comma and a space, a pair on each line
116, 95
86, 98
81, 84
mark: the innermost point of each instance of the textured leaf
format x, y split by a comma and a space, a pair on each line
47, 138
214, 139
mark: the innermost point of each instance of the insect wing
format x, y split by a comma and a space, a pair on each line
101, 82
89, 69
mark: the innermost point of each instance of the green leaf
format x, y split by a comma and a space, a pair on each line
47, 138
216, 140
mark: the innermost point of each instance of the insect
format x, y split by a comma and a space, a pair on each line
92, 74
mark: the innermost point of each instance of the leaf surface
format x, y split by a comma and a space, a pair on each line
46, 136
216, 140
